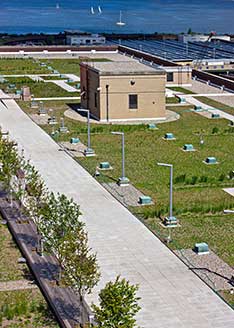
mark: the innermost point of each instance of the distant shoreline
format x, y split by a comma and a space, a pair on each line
49, 39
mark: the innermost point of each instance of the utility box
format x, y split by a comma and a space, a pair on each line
171, 221
198, 108
182, 100
152, 126
145, 200
52, 121
211, 160
201, 248
169, 136
26, 94
18, 92
104, 166
215, 115
188, 147
74, 141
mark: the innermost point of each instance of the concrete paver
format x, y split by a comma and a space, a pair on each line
73, 77
62, 84
230, 191
57, 98
171, 295
192, 100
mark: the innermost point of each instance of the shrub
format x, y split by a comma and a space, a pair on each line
222, 177
194, 180
215, 130
203, 179
180, 178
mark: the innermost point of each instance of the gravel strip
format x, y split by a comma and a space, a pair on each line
209, 267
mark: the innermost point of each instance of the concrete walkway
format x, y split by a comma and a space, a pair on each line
230, 191
17, 285
193, 101
171, 295
62, 84
73, 77
57, 98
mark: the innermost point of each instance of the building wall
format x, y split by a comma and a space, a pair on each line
84, 40
89, 83
149, 88
180, 77
151, 97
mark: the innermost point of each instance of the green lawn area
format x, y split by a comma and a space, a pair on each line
172, 100
25, 309
199, 200
68, 65
180, 89
9, 255
216, 104
198, 196
38, 89
21, 66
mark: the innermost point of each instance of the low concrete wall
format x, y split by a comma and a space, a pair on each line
214, 79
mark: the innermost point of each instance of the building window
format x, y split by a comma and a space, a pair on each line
133, 101
170, 77
95, 99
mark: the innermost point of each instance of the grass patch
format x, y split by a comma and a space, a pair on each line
172, 100
228, 297
25, 309
216, 104
66, 66
9, 254
198, 196
21, 66
38, 89
180, 89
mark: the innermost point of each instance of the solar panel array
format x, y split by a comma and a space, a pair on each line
179, 51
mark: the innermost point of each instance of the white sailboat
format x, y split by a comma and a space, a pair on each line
120, 23
57, 6
99, 9
92, 11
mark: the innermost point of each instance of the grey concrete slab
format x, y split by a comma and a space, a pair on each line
171, 295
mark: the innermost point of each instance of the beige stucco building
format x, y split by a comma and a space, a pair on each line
123, 91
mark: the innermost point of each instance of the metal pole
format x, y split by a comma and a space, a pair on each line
171, 190
123, 157
88, 122
107, 102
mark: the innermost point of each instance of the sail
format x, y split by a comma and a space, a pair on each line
92, 11
120, 23
99, 10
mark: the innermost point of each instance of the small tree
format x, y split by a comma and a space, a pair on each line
81, 270
36, 198
60, 216
10, 163
118, 305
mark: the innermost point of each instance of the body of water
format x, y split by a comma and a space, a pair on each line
145, 16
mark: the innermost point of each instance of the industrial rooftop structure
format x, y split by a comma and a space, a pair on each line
178, 51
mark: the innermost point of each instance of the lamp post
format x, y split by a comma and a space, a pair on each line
171, 220
88, 151
123, 180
